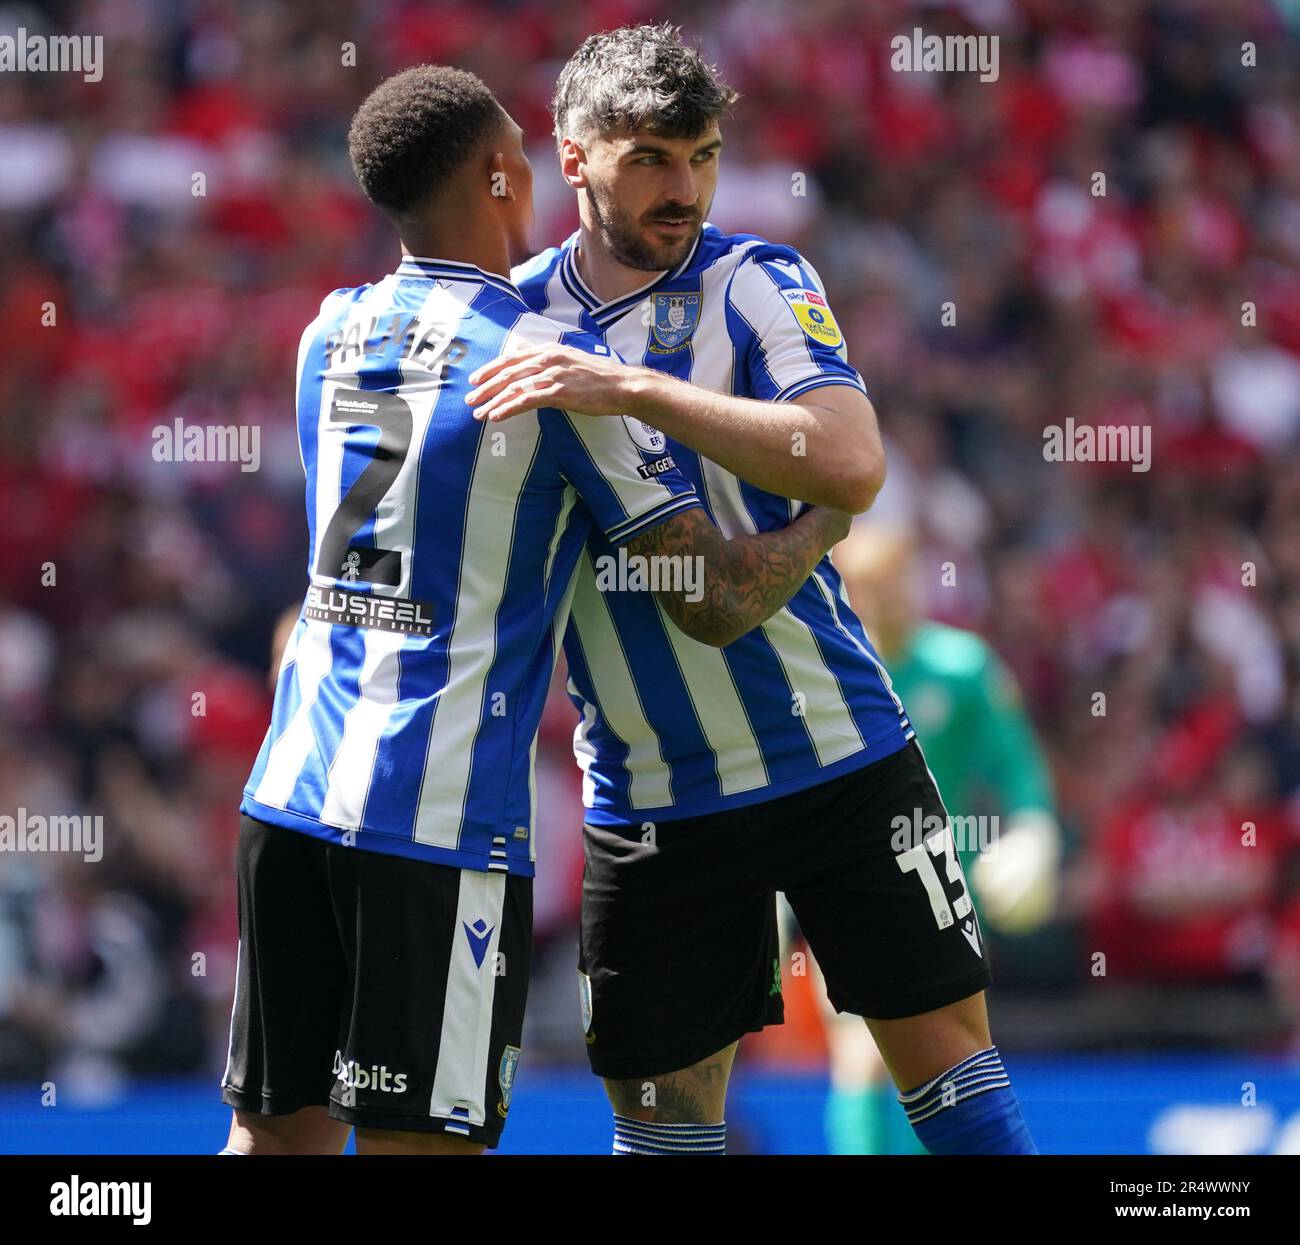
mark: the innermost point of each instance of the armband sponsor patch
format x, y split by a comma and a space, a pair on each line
649, 441
814, 316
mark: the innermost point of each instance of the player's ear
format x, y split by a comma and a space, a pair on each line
573, 160
498, 179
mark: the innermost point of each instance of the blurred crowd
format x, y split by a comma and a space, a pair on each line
1114, 221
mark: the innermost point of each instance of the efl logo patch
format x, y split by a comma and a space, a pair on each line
676, 317
649, 439
814, 316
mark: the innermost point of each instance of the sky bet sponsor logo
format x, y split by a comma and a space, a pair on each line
356, 1077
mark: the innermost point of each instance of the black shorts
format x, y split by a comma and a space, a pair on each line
679, 953
390, 990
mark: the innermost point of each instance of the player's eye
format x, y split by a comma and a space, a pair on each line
703, 157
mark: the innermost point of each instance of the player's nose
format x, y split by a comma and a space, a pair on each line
682, 190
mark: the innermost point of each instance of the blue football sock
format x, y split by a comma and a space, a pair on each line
970, 1109
647, 1137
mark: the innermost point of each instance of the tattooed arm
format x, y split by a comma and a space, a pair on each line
742, 582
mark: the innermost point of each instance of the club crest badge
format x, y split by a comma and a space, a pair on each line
506, 1077
675, 319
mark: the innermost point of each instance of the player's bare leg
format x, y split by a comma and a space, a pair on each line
694, 1095
919, 1048
308, 1131
952, 1083
675, 1112
393, 1141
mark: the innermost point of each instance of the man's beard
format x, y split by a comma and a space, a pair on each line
622, 237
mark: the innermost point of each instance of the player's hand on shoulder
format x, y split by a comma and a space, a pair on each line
550, 375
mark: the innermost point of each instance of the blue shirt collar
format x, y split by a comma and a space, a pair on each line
453, 270
605, 313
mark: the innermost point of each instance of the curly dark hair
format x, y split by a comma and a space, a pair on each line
417, 128
638, 78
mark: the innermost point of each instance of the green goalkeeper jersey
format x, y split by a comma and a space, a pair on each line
972, 727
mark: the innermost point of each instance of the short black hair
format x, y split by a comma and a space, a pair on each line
417, 128
639, 78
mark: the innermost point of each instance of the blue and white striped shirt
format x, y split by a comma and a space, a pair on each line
441, 570
670, 727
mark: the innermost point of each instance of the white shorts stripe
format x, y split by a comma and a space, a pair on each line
465, 1042
230, 1041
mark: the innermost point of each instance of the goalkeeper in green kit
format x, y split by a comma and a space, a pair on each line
980, 746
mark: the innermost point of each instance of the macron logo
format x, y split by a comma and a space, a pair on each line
479, 935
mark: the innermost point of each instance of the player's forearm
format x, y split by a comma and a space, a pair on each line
796, 449
765, 570
745, 580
